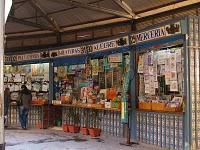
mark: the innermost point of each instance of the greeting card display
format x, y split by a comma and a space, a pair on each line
160, 75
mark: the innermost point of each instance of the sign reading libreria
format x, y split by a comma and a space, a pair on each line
97, 47
164, 31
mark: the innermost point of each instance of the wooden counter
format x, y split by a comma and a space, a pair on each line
164, 112
87, 107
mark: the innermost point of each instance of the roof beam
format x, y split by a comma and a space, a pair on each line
94, 24
167, 8
46, 16
125, 6
94, 7
28, 23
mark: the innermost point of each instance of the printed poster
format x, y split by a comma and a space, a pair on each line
95, 66
173, 62
151, 70
173, 76
162, 69
173, 86
179, 67
124, 111
115, 58
101, 68
156, 85
161, 57
150, 58
140, 64
147, 88
167, 81
178, 55
37, 69
167, 64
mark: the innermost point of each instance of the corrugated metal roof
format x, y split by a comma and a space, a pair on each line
142, 5
67, 13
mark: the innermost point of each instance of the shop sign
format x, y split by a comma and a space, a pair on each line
97, 47
115, 58
16, 58
164, 31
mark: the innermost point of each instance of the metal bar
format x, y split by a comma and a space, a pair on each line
125, 7
187, 91
94, 7
145, 127
113, 123
174, 139
28, 23
110, 119
167, 8
46, 16
2, 23
161, 130
156, 129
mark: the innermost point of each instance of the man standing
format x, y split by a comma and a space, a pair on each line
24, 105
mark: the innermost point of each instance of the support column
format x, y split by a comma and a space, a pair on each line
51, 79
133, 120
2, 19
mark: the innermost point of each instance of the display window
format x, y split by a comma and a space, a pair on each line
34, 76
97, 83
160, 76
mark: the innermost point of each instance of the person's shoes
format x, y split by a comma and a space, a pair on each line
24, 128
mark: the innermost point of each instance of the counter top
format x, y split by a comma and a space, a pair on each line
88, 107
164, 112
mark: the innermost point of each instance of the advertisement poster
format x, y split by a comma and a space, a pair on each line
140, 64
173, 62
37, 69
124, 112
173, 86
95, 66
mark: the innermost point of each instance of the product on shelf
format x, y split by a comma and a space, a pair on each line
160, 79
94, 84
34, 76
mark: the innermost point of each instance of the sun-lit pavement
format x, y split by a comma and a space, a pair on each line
58, 140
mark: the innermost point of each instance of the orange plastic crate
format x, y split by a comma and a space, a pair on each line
158, 106
145, 105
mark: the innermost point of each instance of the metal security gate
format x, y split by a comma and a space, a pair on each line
35, 116
194, 78
161, 129
109, 121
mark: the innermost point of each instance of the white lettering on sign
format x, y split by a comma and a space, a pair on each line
119, 42
104, 45
156, 33
152, 34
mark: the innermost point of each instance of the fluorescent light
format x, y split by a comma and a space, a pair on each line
8, 5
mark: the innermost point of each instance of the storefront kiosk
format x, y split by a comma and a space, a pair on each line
84, 85
165, 101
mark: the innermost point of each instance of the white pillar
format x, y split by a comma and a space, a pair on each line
2, 23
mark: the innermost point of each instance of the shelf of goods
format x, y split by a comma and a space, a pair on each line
160, 79
34, 76
95, 86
